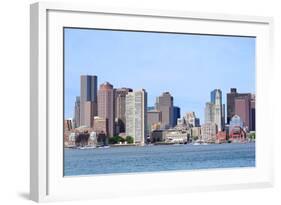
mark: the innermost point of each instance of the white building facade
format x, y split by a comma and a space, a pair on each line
136, 116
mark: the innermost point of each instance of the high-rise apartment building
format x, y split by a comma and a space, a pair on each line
106, 105
136, 115
88, 99
165, 104
120, 108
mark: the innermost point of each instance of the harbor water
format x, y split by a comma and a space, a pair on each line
130, 159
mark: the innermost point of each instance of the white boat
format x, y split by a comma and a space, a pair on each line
200, 142
87, 147
104, 147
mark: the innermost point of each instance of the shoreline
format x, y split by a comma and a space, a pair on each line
152, 144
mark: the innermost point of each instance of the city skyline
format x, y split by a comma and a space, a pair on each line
190, 91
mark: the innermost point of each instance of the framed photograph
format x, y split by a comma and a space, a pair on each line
139, 102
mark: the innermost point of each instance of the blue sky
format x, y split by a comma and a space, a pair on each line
188, 66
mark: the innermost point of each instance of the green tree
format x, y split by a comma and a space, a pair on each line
253, 135
116, 140
130, 140
195, 138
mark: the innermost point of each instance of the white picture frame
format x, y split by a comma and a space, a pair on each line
46, 139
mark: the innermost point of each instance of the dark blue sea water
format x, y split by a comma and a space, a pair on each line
157, 158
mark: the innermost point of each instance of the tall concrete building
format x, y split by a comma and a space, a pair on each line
165, 104
253, 113
209, 112
176, 115
192, 120
90, 112
242, 109
120, 108
106, 105
76, 120
218, 109
154, 118
136, 115
214, 110
231, 102
88, 98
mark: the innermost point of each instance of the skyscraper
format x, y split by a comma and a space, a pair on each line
154, 118
177, 114
253, 113
231, 102
136, 115
106, 105
88, 97
165, 104
209, 112
214, 110
218, 109
192, 120
242, 109
120, 108
77, 112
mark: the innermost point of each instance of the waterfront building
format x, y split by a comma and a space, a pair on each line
242, 109
154, 118
120, 109
106, 106
237, 134
93, 139
231, 102
208, 132
176, 115
100, 125
136, 115
192, 120
176, 136
88, 98
68, 125
76, 120
165, 104
221, 137
195, 132
235, 122
157, 136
